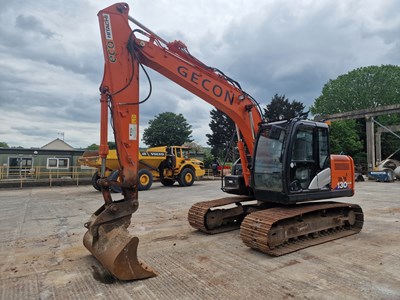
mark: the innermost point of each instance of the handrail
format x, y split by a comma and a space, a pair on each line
47, 177
42, 174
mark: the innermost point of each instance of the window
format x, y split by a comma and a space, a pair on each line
178, 152
63, 163
57, 163
185, 153
26, 162
51, 163
19, 164
303, 144
304, 164
268, 161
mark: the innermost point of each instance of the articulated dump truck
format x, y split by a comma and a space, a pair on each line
167, 164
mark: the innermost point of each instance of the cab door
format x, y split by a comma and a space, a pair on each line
309, 166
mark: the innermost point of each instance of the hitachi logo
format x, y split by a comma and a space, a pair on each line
107, 26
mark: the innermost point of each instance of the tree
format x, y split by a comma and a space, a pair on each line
208, 158
362, 88
92, 147
111, 145
167, 129
4, 145
365, 87
281, 109
194, 147
222, 128
344, 138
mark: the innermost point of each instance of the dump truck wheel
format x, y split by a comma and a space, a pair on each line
167, 182
96, 177
114, 176
145, 180
186, 178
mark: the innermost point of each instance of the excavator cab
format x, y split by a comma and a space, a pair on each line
292, 163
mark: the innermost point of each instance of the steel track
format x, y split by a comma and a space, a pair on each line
295, 223
207, 217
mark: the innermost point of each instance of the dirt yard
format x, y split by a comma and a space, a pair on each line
42, 256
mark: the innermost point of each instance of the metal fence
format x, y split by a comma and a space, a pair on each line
43, 176
16, 177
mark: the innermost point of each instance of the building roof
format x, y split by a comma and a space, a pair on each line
58, 144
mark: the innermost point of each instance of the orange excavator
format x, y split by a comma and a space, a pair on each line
285, 165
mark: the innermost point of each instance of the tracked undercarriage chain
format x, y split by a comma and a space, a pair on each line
207, 217
281, 230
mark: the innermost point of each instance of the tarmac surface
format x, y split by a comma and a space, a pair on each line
42, 256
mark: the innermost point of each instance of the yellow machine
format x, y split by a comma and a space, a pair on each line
167, 164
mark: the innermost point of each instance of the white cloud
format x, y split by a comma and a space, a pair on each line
51, 62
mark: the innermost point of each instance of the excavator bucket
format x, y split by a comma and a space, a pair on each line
114, 247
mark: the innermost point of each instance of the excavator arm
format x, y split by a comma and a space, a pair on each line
107, 237
125, 51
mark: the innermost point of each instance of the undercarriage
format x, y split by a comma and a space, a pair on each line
277, 230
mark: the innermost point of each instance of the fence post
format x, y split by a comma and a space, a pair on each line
77, 175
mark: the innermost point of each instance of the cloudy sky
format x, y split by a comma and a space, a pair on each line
51, 61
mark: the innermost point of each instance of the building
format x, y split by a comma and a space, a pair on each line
57, 158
